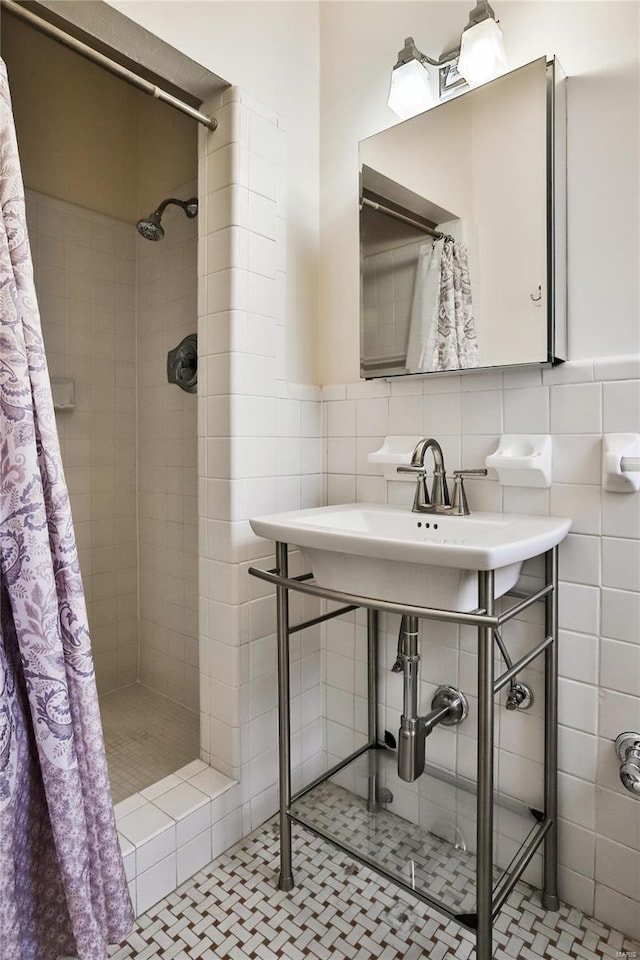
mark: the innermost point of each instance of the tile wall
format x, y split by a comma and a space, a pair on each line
85, 269
167, 461
599, 598
259, 451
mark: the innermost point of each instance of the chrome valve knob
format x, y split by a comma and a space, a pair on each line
628, 750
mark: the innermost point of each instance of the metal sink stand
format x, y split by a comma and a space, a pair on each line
490, 897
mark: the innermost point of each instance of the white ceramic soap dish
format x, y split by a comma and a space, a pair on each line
522, 460
621, 462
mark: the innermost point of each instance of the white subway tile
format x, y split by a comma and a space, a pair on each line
617, 368
576, 800
621, 615
372, 418
578, 705
578, 656
156, 883
526, 411
580, 502
482, 412
617, 866
579, 559
442, 415
525, 500
621, 406
405, 415
618, 712
577, 753
574, 371
618, 817
579, 608
193, 855
576, 408
619, 911
621, 564
577, 458
341, 418
620, 515
620, 666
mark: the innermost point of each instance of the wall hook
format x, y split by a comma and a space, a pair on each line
539, 297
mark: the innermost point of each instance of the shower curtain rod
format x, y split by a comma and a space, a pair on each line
388, 212
123, 72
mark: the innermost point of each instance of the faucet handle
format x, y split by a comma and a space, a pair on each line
459, 504
416, 470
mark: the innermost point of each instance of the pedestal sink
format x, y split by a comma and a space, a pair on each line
389, 553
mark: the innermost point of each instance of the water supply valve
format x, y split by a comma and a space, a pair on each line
628, 750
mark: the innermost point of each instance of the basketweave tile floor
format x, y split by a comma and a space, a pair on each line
339, 909
146, 737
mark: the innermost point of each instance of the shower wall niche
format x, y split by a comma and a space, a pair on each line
112, 305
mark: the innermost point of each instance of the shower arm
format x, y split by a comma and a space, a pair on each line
185, 204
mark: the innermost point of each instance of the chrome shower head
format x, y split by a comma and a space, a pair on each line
150, 227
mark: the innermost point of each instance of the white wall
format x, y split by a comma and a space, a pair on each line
271, 51
597, 44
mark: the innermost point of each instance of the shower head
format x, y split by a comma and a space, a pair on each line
150, 227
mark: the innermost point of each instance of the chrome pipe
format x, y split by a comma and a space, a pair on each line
331, 772
484, 829
285, 880
372, 707
520, 664
107, 63
511, 876
372, 676
550, 900
321, 619
411, 738
519, 607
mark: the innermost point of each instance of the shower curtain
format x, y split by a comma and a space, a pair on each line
62, 884
442, 332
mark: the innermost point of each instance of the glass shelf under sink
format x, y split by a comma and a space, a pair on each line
424, 837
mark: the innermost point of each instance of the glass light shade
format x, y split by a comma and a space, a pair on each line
410, 91
482, 55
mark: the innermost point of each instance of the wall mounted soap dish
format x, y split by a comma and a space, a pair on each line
621, 462
522, 460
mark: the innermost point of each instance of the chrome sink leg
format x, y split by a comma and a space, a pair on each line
550, 899
285, 881
484, 828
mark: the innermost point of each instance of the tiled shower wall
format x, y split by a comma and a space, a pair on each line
167, 461
85, 270
259, 451
599, 598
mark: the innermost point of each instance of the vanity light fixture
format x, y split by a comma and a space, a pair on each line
479, 58
482, 55
410, 91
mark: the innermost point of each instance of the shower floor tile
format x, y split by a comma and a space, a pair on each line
146, 737
338, 910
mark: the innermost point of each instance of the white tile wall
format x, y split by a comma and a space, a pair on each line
170, 831
599, 597
85, 269
167, 461
259, 452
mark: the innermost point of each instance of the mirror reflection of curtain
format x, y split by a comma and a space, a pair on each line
423, 323
442, 333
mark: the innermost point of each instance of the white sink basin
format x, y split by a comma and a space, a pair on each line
390, 553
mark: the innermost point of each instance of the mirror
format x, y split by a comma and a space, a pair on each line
462, 231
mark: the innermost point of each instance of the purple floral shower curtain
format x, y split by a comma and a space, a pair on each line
62, 884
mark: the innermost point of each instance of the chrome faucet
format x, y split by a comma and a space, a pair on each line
439, 501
